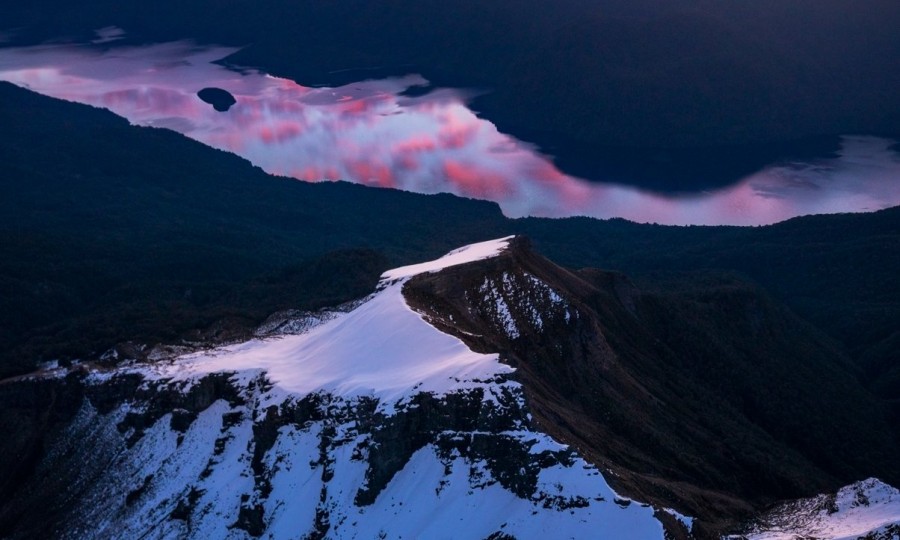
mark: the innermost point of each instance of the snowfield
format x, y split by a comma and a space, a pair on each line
869, 509
368, 422
382, 349
319, 443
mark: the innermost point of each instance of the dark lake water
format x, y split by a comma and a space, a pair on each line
399, 133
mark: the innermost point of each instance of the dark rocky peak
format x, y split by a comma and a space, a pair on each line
683, 388
679, 392
514, 299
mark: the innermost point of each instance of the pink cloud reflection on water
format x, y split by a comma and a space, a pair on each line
369, 133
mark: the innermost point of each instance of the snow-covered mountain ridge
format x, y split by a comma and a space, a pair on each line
372, 424
865, 510
381, 350
433, 408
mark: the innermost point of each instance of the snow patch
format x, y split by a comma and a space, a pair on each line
463, 255
501, 311
868, 506
518, 302
687, 521
381, 349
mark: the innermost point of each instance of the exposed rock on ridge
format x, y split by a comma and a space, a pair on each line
685, 412
371, 423
232, 443
865, 510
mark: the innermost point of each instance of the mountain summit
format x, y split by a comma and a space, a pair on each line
486, 394
373, 424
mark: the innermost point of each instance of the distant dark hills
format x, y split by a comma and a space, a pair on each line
670, 95
112, 233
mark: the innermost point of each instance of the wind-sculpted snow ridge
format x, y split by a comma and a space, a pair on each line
463, 255
381, 349
866, 510
371, 424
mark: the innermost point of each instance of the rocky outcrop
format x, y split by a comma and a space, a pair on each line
375, 422
211, 459
865, 510
663, 387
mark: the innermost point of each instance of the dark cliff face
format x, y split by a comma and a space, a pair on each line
94, 456
703, 395
52, 457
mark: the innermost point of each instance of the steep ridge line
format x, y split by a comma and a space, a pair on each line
264, 438
294, 433
684, 396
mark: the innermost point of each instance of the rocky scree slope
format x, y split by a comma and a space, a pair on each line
716, 401
866, 510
